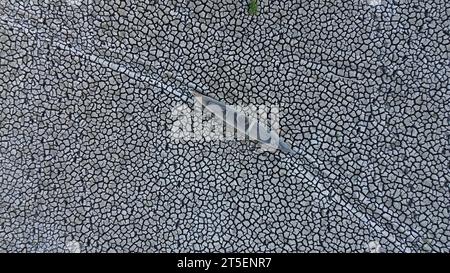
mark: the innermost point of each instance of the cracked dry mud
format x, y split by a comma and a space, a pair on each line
87, 163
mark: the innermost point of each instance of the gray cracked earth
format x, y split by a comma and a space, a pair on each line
87, 162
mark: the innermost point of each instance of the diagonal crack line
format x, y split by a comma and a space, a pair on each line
314, 176
315, 182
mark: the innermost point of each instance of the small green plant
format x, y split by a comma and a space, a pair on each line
253, 7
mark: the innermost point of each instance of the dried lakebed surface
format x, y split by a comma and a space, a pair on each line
87, 90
